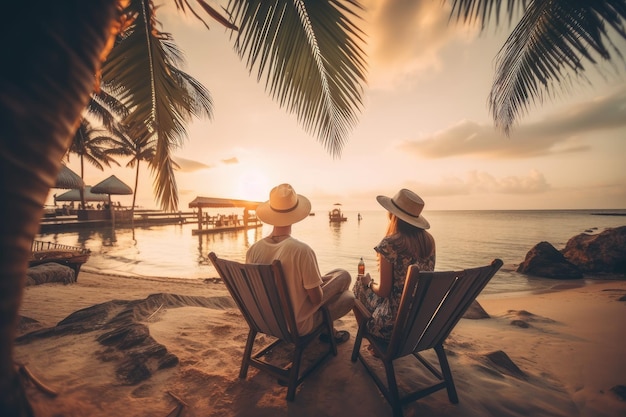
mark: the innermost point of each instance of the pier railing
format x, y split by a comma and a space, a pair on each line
40, 245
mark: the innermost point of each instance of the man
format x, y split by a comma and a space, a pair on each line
308, 289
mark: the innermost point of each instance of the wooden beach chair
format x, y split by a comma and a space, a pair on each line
431, 305
260, 292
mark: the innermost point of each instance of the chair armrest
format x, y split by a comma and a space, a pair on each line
361, 313
364, 311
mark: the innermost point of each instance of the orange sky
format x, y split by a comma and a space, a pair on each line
425, 126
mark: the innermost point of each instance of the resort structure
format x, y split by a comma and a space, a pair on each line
209, 223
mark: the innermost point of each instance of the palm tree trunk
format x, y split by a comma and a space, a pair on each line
82, 189
50, 59
132, 209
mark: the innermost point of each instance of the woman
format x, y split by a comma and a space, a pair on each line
406, 242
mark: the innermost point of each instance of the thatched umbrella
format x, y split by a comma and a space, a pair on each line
74, 195
68, 179
111, 185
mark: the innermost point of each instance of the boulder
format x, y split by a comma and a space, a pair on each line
502, 361
50, 272
544, 260
476, 312
603, 252
619, 391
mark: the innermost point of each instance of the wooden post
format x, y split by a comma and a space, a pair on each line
199, 218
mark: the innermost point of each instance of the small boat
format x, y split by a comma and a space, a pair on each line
336, 216
72, 256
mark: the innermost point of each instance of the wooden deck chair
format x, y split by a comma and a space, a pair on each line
260, 292
431, 305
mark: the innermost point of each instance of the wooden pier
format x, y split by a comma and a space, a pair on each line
121, 217
101, 218
220, 222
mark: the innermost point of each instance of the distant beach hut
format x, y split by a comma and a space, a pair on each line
74, 195
109, 186
68, 179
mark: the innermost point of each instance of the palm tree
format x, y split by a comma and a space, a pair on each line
91, 145
550, 42
143, 72
50, 73
42, 95
139, 149
312, 68
176, 93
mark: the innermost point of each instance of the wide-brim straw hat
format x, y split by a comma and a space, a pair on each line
284, 207
407, 206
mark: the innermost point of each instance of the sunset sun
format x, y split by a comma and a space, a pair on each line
253, 185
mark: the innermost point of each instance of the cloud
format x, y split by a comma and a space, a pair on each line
473, 182
187, 165
559, 133
229, 161
472, 186
479, 182
406, 37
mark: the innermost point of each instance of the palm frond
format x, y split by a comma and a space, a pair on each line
107, 109
482, 11
310, 54
165, 191
183, 5
549, 44
143, 72
199, 102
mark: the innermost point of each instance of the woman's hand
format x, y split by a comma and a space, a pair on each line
366, 279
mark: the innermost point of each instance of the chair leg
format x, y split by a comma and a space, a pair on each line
331, 329
447, 374
392, 385
294, 373
357, 342
362, 323
247, 353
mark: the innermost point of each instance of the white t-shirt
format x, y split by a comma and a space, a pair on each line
301, 273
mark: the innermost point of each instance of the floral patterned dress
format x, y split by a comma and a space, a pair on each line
385, 310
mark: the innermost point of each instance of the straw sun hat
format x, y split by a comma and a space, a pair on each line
284, 207
407, 206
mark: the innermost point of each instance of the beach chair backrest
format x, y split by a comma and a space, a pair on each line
260, 292
432, 303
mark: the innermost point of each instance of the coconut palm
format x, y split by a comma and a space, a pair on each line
549, 43
143, 72
42, 95
92, 145
138, 149
310, 57
152, 80
313, 69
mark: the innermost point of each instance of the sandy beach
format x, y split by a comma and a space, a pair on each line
568, 343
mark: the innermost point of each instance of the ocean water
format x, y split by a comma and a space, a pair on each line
464, 239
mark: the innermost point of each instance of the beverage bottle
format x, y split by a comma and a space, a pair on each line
361, 267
